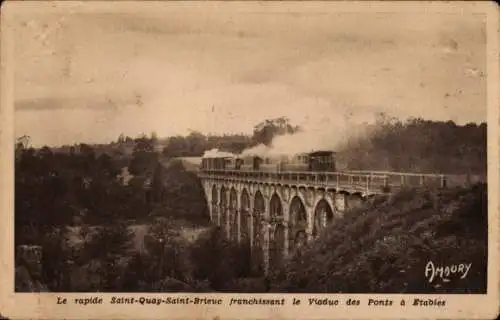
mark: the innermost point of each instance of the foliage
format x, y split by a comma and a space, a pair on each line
388, 144
219, 260
384, 248
417, 145
55, 188
265, 131
184, 195
195, 144
164, 265
56, 260
111, 240
144, 157
102, 257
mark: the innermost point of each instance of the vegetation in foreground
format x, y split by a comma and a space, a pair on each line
384, 247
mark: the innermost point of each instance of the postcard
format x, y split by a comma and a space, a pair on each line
249, 160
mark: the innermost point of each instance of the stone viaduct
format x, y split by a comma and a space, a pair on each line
277, 213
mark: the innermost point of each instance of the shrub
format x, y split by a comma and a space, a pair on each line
218, 260
385, 248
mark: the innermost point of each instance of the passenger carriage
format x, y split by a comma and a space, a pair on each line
318, 161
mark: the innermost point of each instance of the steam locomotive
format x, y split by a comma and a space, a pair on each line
318, 161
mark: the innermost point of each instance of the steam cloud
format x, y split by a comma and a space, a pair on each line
216, 153
323, 136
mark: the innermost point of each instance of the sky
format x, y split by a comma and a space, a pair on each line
86, 73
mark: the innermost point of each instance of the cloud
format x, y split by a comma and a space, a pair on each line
250, 62
86, 103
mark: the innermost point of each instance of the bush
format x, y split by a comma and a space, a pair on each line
219, 260
384, 248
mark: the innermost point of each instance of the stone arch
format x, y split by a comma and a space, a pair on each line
298, 193
233, 215
258, 236
277, 240
245, 219
223, 207
323, 216
275, 207
298, 225
215, 203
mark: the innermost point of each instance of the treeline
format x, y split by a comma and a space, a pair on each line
389, 144
417, 145
59, 189
195, 143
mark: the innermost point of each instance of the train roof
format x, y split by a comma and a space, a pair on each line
218, 157
321, 153
317, 153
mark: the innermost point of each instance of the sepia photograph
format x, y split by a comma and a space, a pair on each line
249, 148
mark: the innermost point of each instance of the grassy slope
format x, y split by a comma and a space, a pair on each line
385, 247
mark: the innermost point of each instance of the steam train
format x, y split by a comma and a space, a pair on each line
318, 161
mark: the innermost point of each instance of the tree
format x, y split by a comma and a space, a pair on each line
176, 147
417, 145
167, 248
45, 153
144, 157
87, 151
22, 144
196, 143
143, 163
153, 137
218, 260
56, 260
184, 194
121, 138
144, 144
157, 189
265, 131
108, 246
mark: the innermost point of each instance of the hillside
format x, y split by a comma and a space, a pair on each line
385, 247
183, 195
417, 145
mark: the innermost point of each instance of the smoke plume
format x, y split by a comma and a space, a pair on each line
321, 135
213, 153
314, 136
